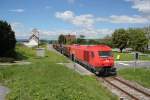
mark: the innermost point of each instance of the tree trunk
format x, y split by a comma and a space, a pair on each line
121, 50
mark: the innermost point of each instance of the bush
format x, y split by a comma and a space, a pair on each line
7, 40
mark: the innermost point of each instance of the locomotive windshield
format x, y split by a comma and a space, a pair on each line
105, 53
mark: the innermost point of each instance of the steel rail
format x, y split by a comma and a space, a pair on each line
114, 85
131, 86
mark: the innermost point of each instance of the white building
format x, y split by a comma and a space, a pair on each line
33, 40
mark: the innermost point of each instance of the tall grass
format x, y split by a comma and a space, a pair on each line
44, 79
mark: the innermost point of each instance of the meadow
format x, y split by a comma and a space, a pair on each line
138, 75
129, 57
44, 79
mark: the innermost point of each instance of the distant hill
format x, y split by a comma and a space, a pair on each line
22, 40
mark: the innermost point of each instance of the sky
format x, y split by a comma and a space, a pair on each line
92, 18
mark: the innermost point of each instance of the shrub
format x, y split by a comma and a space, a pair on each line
7, 40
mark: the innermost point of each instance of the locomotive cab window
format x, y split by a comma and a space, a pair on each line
105, 53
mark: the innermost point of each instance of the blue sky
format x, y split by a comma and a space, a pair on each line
92, 18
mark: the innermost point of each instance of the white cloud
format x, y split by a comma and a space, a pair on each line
53, 34
124, 19
21, 31
141, 5
102, 19
66, 16
88, 20
17, 10
127, 19
95, 33
85, 21
15, 25
89, 33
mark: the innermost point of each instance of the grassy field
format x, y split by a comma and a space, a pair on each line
139, 75
44, 79
129, 57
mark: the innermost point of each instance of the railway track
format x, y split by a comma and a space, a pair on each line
129, 90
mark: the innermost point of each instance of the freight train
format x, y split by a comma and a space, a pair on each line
97, 58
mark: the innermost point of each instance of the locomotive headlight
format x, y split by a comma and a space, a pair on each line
106, 61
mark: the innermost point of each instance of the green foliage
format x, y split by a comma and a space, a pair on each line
120, 39
7, 40
81, 40
106, 41
130, 57
23, 52
44, 79
147, 51
61, 39
92, 42
147, 31
134, 38
139, 75
72, 41
138, 40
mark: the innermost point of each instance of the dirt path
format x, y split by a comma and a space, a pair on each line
3, 92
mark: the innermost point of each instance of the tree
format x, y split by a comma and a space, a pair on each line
92, 42
120, 39
147, 31
61, 39
138, 40
82, 36
107, 40
81, 39
7, 40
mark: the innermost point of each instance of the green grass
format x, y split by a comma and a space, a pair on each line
129, 57
139, 75
147, 52
44, 79
24, 52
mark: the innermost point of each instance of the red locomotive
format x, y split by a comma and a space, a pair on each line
97, 58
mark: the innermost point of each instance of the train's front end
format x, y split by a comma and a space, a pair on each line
104, 63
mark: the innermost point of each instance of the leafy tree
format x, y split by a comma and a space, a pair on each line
7, 40
61, 39
81, 39
138, 40
107, 40
82, 36
120, 39
73, 41
92, 42
147, 31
